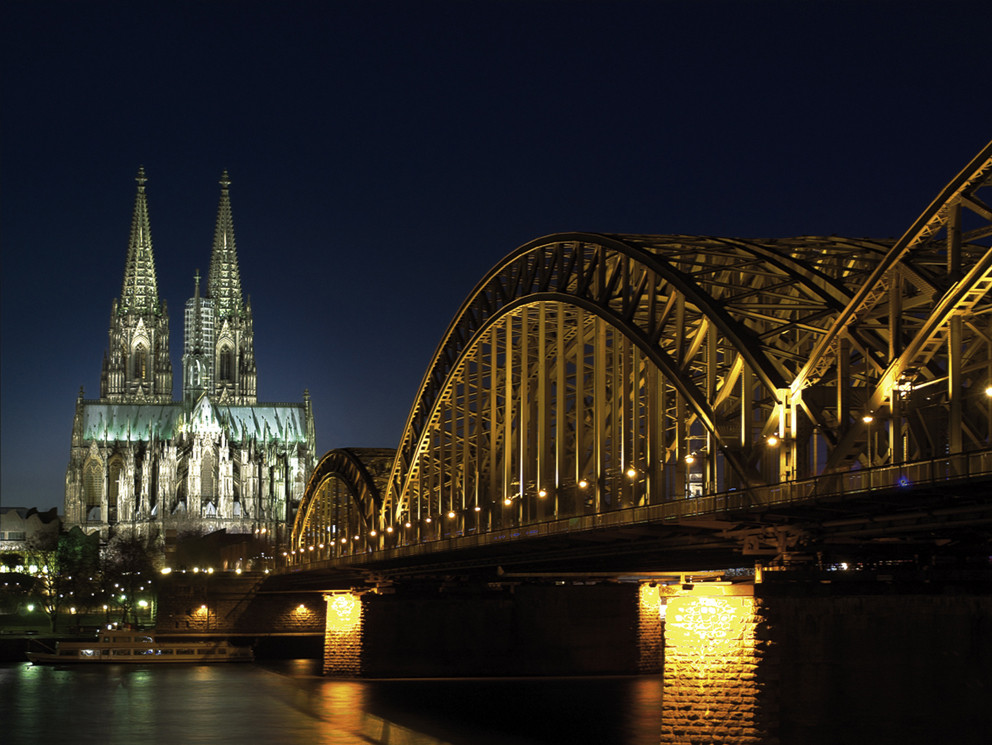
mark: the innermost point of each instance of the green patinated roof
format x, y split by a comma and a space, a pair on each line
143, 422
134, 422
282, 422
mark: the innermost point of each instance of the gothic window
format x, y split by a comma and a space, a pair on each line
138, 468
153, 490
93, 490
116, 469
207, 479
226, 364
140, 362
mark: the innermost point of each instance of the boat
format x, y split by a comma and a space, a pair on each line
122, 646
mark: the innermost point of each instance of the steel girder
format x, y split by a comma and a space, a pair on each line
706, 334
341, 504
928, 392
590, 372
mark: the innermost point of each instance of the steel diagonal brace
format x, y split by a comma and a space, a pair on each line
973, 176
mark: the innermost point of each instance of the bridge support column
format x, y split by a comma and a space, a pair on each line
716, 668
343, 634
650, 630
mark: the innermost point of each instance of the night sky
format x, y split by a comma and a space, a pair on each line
384, 156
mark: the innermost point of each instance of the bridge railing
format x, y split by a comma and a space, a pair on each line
893, 478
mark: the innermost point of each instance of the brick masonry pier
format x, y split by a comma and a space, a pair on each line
820, 662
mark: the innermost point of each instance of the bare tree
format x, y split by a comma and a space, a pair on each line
128, 573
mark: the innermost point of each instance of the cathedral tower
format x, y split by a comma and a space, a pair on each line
136, 367
198, 346
216, 459
234, 376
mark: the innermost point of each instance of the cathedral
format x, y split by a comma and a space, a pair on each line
214, 460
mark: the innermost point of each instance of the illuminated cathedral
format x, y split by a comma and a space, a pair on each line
216, 459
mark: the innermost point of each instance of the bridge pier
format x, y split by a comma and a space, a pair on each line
344, 634
717, 667
817, 660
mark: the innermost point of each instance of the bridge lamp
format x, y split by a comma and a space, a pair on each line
988, 391
345, 540
542, 494
389, 528
373, 533
407, 524
428, 519
311, 548
477, 508
772, 441
451, 514
583, 483
507, 501
690, 458
320, 545
868, 419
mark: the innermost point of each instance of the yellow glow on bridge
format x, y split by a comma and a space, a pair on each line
343, 634
709, 624
343, 611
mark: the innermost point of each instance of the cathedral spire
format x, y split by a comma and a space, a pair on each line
136, 368
224, 281
139, 292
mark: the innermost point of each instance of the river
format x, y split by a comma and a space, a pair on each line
288, 702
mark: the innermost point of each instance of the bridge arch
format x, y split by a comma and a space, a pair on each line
590, 372
663, 361
341, 503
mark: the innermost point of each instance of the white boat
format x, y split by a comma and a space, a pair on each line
121, 646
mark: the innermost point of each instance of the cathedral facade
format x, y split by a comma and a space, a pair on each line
216, 459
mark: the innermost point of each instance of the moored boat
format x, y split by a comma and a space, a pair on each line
122, 646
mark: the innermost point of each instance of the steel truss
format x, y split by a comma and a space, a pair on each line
588, 373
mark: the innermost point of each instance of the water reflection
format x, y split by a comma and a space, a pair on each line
291, 703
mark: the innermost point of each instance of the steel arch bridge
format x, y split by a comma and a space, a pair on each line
591, 373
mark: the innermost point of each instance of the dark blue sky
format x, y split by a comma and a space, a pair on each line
385, 155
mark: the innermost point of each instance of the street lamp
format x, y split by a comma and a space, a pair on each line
868, 419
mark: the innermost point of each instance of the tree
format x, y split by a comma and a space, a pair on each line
60, 567
17, 585
78, 557
129, 573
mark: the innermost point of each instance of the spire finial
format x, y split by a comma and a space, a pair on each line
196, 281
139, 292
224, 278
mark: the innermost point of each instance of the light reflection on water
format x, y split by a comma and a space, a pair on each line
288, 702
